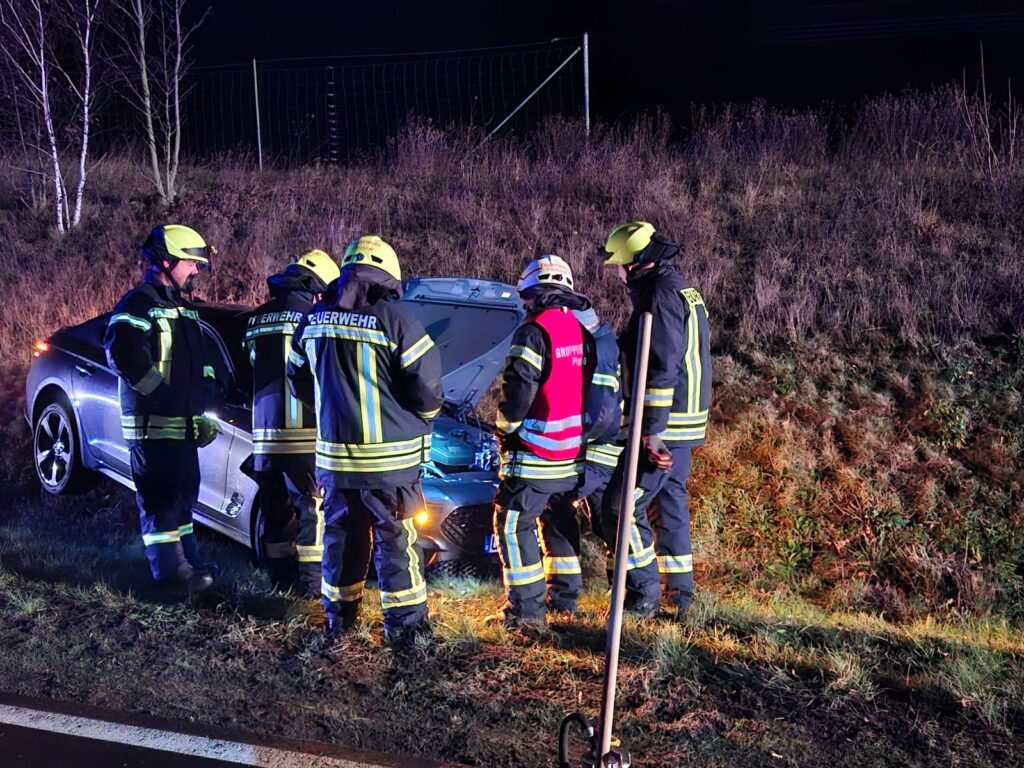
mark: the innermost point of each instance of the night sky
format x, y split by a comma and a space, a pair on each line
662, 53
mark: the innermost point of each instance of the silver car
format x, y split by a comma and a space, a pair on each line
72, 407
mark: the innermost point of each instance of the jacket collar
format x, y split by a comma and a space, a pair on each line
361, 285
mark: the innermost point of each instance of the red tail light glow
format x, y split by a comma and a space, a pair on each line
39, 348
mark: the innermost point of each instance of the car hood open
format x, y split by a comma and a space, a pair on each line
471, 323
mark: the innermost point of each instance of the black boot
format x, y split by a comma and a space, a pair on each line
344, 619
284, 574
199, 582
403, 639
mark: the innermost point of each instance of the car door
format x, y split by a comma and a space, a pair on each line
96, 398
227, 493
214, 458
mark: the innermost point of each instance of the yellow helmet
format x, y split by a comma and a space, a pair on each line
374, 252
173, 242
320, 264
626, 241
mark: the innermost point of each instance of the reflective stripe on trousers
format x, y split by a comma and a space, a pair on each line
349, 516
518, 507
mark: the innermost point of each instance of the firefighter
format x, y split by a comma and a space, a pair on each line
166, 382
539, 427
284, 430
674, 420
375, 376
602, 423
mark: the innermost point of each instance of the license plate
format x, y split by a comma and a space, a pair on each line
490, 544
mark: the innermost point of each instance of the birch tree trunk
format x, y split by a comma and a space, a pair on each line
86, 36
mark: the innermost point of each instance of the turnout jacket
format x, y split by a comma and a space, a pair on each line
602, 418
375, 377
678, 395
547, 371
281, 424
167, 376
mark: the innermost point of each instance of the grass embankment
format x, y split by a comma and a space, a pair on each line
864, 283
857, 509
751, 679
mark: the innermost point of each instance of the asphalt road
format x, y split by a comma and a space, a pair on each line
30, 748
39, 733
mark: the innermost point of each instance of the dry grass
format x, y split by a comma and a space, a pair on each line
750, 673
864, 281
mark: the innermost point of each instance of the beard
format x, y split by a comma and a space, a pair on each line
189, 285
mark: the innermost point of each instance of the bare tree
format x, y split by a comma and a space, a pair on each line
155, 62
49, 48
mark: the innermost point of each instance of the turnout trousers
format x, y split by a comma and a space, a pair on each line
643, 587
669, 513
560, 536
166, 476
519, 525
293, 533
350, 514
660, 550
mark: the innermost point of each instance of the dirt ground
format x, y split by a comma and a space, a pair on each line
747, 681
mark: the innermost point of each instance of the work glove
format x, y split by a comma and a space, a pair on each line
207, 430
656, 452
500, 439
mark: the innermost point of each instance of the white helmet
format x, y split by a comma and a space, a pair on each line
547, 270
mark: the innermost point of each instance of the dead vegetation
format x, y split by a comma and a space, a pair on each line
751, 675
857, 509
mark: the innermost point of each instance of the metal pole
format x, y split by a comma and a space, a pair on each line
532, 94
586, 81
256, 99
626, 506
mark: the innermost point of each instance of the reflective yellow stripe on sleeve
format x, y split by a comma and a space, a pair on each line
527, 354
416, 351
148, 383
135, 322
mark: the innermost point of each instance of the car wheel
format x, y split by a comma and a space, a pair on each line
259, 527
56, 455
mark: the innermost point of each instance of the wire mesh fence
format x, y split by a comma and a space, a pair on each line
291, 111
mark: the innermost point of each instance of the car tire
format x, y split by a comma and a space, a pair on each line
259, 523
56, 454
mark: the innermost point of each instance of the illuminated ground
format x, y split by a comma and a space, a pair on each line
752, 679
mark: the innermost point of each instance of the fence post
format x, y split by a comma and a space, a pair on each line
586, 82
333, 144
256, 100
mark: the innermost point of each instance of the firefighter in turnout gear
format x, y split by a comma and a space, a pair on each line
375, 376
675, 416
602, 425
284, 429
166, 382
539, 426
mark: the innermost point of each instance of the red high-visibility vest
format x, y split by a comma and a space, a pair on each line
553, 427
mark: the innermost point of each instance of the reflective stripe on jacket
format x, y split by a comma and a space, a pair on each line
678, 396
375, 376
281, 424
602, 415
553, 427
166, 379
546, 372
